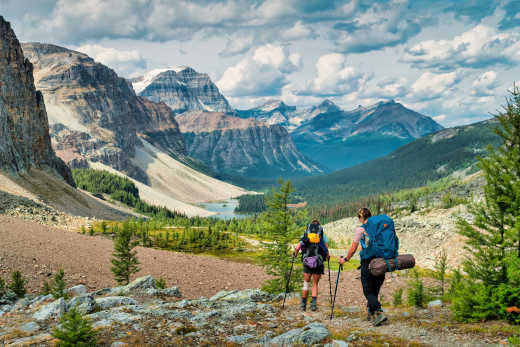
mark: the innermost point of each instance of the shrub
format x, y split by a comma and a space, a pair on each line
17, 284
46, 288
416, 295
74, 330
160, 283
398, 297
2, 286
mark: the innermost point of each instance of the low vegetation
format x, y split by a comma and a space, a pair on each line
75, 330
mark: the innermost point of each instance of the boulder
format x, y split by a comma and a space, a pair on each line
246, 295
240, 339
435, 303
308, 336
29, 328
336, 343
78, 290
85, 304
53, 310
113, 301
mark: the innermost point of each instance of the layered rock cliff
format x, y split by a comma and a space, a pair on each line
243, 146
24, 130
183, 89
95, 114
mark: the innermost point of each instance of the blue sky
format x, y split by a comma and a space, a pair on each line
452, 60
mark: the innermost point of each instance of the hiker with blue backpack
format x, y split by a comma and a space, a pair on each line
378, 240
315, 250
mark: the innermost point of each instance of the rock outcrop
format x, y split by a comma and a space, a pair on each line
183, 89
94, 114
230, 317
24, 129
249, 147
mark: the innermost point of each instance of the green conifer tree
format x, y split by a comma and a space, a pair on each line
17, 284
282, 231
495, 232
58, 285
125, 262
74, 330
493, 238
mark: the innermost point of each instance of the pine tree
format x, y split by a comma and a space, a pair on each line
440, 269
74, 330
125, 262
46, 288
58, 285
496, 229
282, 231
17, 284
2, 286
493, 239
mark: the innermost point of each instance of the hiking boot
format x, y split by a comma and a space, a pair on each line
370, 316
379, 318
314, 304
303, 304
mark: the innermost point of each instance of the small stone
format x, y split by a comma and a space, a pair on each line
351, 309
435, 303
113, 301
118, 344
405, 314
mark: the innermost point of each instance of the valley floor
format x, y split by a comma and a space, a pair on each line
39, 250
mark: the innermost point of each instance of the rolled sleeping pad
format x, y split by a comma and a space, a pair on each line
378, 266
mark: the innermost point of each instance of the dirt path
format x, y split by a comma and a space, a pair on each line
358, 331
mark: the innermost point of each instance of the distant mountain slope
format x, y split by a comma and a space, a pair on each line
183, 89
429, 158
272, 112
237, 146
345, 138
96, 118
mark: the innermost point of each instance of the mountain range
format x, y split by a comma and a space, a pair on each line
424, 160
97, 120
215, 135
338, 139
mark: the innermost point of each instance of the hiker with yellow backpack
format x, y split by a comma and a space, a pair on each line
315, 250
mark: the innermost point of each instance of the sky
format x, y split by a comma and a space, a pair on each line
452, 60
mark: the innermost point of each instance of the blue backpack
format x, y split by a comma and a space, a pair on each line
380, 239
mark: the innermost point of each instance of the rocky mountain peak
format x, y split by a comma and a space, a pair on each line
24, 129
327, 106
183, 89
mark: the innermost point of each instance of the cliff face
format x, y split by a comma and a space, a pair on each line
24, 130
183, 89
95, 115
243, 146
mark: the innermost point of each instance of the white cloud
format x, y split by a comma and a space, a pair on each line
388, 88
381, 25
485, 84
431, 86
334, 77
121, 61
299, 31
264, 73
476, 48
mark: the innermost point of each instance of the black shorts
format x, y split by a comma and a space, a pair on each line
318, 270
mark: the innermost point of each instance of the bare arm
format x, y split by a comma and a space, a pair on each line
352, 250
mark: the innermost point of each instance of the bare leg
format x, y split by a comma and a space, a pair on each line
315, 281
305, 292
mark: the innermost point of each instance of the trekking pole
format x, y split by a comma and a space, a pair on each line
330, 285
335, 291
288, 281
